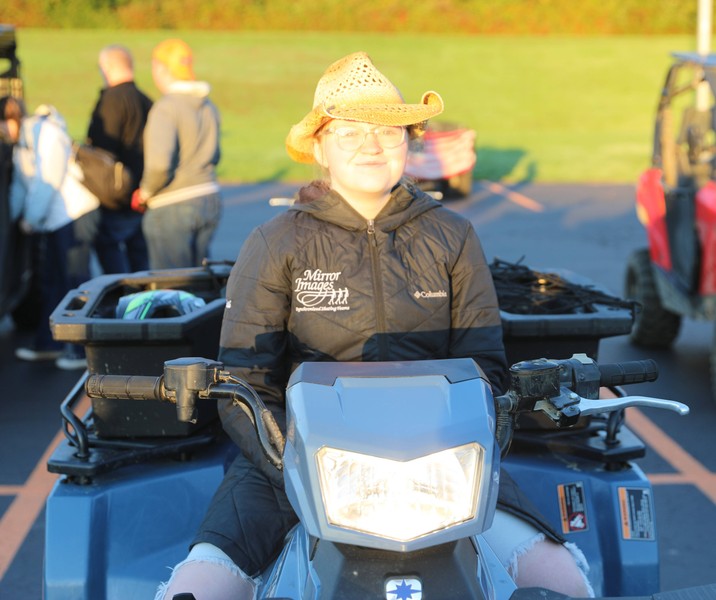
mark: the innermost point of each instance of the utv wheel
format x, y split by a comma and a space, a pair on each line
654, 326
459, 186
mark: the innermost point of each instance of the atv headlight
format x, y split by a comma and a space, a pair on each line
400, 500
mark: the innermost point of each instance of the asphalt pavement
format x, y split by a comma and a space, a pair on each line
587, 229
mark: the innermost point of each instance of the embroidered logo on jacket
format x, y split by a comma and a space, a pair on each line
319, 291
420, 294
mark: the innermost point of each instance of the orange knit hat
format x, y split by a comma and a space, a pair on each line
177, 56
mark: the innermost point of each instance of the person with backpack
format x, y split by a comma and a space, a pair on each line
117, 126
48, 201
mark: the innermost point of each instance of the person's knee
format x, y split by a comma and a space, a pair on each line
552, 566
208, 576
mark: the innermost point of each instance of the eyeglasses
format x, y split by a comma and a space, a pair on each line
351, 138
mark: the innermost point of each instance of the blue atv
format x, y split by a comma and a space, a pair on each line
145, 452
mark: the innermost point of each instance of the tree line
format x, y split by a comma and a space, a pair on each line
470, 17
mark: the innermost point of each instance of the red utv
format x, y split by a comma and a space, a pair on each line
675, 277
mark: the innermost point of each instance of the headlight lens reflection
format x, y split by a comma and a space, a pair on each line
400, 500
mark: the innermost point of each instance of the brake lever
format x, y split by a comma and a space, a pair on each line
589, 406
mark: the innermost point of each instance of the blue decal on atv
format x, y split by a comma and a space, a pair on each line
403, 589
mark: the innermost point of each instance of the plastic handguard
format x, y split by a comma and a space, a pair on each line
625, 373
128, 387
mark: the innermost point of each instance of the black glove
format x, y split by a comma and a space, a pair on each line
240, 429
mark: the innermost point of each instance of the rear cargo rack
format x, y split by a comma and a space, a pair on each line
555, 313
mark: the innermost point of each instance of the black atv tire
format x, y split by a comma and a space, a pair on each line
458, 186
654, 326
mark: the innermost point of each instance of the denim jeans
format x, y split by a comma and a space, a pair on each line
120, 243
178, 235
56, 279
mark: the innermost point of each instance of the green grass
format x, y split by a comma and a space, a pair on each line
550, 109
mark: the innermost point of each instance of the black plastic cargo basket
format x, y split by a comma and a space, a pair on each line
140, 347
555, 313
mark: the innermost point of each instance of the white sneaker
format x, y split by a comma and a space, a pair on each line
70, 362
37, 355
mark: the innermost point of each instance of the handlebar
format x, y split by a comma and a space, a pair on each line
627, 373
187, 380
563, 390
132, 387
533, 380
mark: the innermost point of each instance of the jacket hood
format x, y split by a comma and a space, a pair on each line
196, 89
49, 112
406, 203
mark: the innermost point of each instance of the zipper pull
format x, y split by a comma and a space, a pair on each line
371, 231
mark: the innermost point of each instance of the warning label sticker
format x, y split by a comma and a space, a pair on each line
572, 507
637, 513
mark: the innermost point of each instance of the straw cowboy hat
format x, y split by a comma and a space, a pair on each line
354, 90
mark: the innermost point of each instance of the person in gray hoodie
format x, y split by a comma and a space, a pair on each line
178, 189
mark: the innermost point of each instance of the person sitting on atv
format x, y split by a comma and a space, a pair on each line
363, 267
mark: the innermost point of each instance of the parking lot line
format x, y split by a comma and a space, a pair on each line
512, 196
29, 501
688, 469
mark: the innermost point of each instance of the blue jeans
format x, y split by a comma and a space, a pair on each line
56, 279
120, 243
178, 235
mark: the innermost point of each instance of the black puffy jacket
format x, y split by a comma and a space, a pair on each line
319, 282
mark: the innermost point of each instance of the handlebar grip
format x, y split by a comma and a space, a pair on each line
625, 373
127, 387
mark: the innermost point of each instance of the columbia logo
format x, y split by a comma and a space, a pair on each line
439, 294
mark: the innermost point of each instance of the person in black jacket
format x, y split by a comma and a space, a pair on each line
117, 125
363, 267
